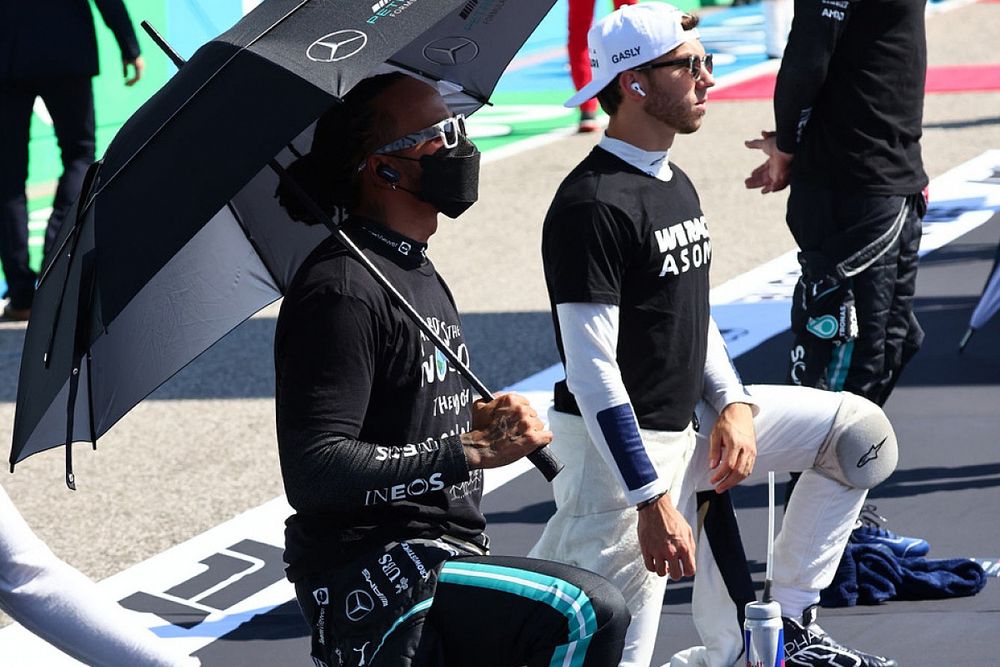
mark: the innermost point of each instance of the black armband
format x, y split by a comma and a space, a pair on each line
649, 501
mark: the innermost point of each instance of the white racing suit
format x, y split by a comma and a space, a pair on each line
62, 606
594, 526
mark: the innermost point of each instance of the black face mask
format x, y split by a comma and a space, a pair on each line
450, 178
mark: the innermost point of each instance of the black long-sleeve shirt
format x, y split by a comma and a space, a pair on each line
850, 94
49, 38
368, 411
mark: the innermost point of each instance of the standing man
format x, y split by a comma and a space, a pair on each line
381, 443
48, 50
652, 412
849, 107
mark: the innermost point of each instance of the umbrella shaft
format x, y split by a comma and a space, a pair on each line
401, 301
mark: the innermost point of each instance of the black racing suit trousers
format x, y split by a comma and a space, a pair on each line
858, 254
489, 611
70, 102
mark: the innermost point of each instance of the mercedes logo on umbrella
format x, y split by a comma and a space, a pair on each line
359, 605
336, 46
451, 51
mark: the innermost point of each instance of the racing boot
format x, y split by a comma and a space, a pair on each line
808, 645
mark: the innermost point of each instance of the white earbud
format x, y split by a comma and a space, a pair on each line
637, 88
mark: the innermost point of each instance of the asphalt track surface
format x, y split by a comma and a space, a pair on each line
201, 449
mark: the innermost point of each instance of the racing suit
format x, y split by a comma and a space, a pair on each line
849, 106
626, 250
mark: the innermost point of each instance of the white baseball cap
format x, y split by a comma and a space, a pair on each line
628, 37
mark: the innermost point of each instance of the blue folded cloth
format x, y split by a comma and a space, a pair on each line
872, 573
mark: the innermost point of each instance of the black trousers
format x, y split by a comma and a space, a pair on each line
862, 247
488, 611
70, 102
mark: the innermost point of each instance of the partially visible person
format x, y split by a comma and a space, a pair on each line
652, 414
381, 442
848, 109
581, 15
48, 50
65, 608
777, 23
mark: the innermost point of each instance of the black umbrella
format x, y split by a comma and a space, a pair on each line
177, 238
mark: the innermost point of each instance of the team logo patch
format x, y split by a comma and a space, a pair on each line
336, 46
871, 454
825, 327
358, 605
451, 51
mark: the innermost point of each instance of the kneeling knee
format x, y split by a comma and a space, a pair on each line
610, 611
860, 450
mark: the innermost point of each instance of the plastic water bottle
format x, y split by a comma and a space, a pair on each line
764, 635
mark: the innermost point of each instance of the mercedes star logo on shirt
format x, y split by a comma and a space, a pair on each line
359, 605
336, 46
451, 51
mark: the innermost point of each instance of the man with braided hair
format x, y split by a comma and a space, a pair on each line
381, 444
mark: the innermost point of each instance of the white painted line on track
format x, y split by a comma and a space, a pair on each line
751, 308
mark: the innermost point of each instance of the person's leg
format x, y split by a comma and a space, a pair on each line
866, 248
65, 608
863, 363
829, 435
70, 101
791, 427
595, 527
16, 100
849, 245
903, 334
581, 14
808, 217
640, 638
504, 610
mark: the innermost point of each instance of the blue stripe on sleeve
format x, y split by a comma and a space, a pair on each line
618, 425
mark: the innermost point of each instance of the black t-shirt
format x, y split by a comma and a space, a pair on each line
368, 411
850, 94
614, 235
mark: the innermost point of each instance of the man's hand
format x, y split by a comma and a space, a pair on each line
503, 430
137, 66
665, 540
773, 174
732, 447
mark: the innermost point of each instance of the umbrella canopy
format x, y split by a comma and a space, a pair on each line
178, 238
988, 305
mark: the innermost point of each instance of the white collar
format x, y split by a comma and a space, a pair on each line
654, 163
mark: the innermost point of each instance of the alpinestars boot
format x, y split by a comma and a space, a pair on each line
808, 645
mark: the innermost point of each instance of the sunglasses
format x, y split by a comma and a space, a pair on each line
695, 64
449, 130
